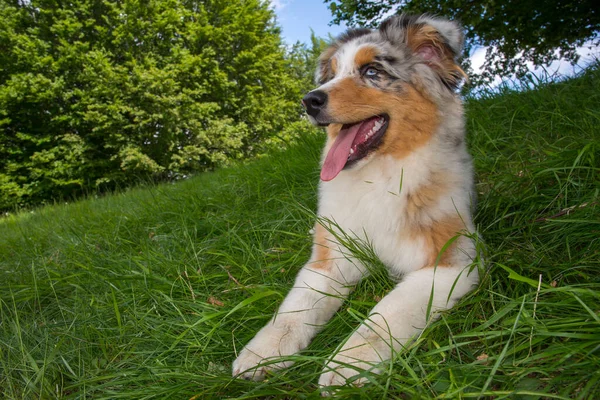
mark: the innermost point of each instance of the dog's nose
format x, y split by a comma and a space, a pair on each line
314, 102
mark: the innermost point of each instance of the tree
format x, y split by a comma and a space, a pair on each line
96, 93
516, 31
304, 58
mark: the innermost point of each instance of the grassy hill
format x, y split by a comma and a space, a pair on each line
149, 293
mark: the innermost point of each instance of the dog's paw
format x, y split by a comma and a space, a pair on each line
264, 354
252, 366
349, 367
335, 374
339, 376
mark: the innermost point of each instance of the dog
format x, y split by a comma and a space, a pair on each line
396, 174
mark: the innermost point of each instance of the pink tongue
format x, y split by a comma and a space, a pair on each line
339, 152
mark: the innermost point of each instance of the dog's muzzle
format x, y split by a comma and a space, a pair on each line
315, 103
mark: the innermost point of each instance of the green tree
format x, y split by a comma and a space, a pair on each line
517, 32
96, 93
303, 58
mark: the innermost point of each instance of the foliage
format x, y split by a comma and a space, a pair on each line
516, 32
304, 58
97, 93
148, 294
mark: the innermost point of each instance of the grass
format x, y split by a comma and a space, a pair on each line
150, 293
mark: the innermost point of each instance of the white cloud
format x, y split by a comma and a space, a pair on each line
477, 59
278, 5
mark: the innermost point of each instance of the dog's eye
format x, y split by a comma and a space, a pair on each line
370, 72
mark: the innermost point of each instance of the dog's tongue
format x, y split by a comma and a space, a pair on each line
338, 153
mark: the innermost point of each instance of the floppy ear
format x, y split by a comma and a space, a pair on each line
436, 41
327, 66
450, 31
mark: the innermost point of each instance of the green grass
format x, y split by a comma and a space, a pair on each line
149, 293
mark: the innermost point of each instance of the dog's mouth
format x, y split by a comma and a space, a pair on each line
353, 142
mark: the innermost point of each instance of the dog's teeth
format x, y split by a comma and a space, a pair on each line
351, 151
376, 126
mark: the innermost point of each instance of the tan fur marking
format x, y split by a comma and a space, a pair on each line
426, 195
413, 121
365, 55
436, 235
419, 36
321, 251
413, 117
328, 64
334, 65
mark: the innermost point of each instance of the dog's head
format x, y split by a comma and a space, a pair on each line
380, 90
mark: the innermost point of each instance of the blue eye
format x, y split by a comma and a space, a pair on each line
371, 72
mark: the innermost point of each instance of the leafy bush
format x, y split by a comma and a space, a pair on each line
95, 94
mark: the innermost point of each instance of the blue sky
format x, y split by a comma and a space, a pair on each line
297, 17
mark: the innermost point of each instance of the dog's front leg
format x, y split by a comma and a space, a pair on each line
320, 288
397, 318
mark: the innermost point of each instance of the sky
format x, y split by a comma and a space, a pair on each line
298, 17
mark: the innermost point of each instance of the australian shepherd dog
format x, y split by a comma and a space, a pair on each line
395, 174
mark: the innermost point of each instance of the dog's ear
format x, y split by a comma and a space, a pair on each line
436, 41
327, 66
450, 31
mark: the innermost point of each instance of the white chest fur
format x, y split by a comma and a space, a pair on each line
370, 203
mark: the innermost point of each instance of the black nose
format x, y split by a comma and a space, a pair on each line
314, 102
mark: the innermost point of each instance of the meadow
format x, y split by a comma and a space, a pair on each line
150, 292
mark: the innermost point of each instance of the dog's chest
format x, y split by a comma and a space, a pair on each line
371, 205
